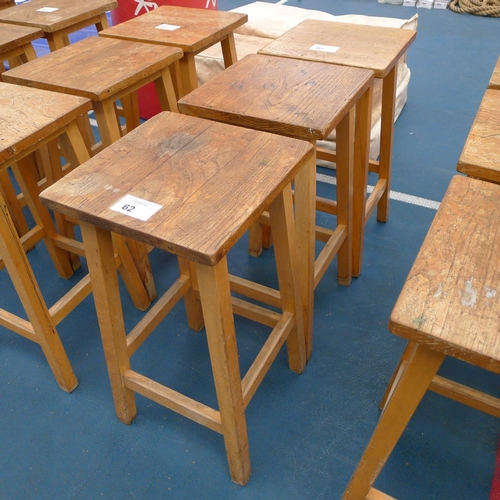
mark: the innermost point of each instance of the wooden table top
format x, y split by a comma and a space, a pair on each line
27, 115
451, 298
12, 36
481, 153
495, 77
300, 99
197, 28
369, 47
94, 67
68, 12
193, 169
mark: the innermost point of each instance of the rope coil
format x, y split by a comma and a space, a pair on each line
476, 7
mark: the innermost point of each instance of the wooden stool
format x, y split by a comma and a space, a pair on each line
16, 48
480, 156
360, 46
15, 44
495, 77
71, 16
211, 201
192, 30
30, 119
305, 100
447, 308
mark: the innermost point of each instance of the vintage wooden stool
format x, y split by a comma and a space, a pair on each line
495, 77
59, 18
480, 156
305, 100
30, 119
192, 30
104, 71
360, 46
177, 183
448, 307
16, 48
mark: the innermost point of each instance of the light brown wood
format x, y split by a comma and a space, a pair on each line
495, 77
71, 16
480, 157
15, 44
102, 70
448, 307
198, 29
192, 169
361, 46
5, 4
293, 102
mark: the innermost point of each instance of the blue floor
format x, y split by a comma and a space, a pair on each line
306, 432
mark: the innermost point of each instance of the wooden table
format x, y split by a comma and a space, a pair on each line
481, 153
448, 307
69, 16
191, 169
104, 71
305, 100
369, 47
192, 30
495, 77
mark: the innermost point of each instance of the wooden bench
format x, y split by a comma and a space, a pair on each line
448, 307
177, 183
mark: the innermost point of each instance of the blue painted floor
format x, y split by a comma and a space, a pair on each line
306, 432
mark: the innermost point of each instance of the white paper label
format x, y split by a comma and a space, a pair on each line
48, 9
136, 207
167, 27
324, 48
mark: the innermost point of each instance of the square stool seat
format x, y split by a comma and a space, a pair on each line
448, 307
361, 46
192, 30
59, 18
104, 71
177, 183
495, 77
480, 156
305, 100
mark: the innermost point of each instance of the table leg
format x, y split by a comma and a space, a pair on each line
305, 219
386, 140
418, 374
102, 270
217, 311
360, 178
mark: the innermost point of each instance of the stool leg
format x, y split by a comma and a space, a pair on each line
188, 73
194, 311
219, 321
10, 197
166, 91
416, 378
107, 121
386, 140
285, 249
229, 50
305, 220
102, 269
31, 191
24, 281
345, 169
360, 180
